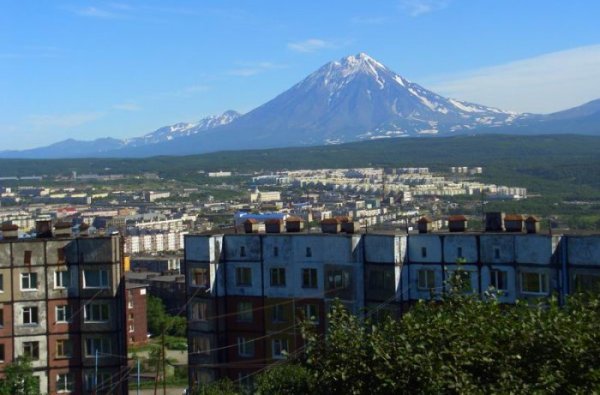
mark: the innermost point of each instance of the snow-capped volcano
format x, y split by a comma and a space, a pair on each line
350, 99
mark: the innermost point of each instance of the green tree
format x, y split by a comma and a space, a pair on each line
283, 379
156, 314
19, 379
462, 345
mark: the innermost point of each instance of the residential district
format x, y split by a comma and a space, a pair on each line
76, 275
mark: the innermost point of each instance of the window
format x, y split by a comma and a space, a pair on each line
496, 253
200, 277
27, 257
95, 312
28, 281
244, 312
308, 252
100, 344
423, 252
275, 251
60, 254
30, 315
104, 381
382, 280
534, 283
131, 328
498, 279
1, 282
459, 252
1, 317
338, 279
309, 278
1, 352
130, 304
280, 348
62, 279
31, 350
278, 277
200, 311
245, 347
63, 313
586, 282
64, 382
63, 348
278, 314
426, 279
243, 276
242, 251
95, 278
201, 345
311, 312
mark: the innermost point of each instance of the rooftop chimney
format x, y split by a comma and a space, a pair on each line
294, 224
532, 224
457, 223
425, 225
274, 226
251, 225
84, 229
494, 222
43, 228
331, 225
62, 229
513, 222
10, 231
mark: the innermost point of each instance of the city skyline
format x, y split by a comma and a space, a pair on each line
99, 69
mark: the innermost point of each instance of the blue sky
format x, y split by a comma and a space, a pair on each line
87, 69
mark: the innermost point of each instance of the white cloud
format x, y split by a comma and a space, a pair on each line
95, 12
311, 45
541, 84
416, 8
250, 69
47, 121
128, 106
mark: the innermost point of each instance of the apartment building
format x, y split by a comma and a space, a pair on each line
248, 292
62, 305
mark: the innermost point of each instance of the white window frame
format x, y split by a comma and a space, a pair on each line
27, 277
102, 344
35, 345
494, 276
245, 347
543, 283
62, 279
279, 346
96, 312
67, 348
66, 312
102, 276
200, 313
31, 312
64, 383
429, 279
277, 274
243, 276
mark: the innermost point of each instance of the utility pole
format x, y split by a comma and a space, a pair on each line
164, 358
138, 376
96, 373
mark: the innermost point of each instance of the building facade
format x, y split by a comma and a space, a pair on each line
248, 293
62, 306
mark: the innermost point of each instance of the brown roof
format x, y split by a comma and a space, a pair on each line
293, 218
250, 221
62, 225
532, 218
513, 217
273, 221
330, 221
342, 219
9, 227
83, 226
424, 220
457, 218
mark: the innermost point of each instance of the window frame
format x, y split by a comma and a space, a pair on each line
63, 349
102, 276
245, 314
543, 283
34, 352
64, 382
310, 278
495, 275
243, 276
66, 312
245, 347
96, 312
277, 277
29, 277
32, 313
60, 278
429, 280
277, 347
